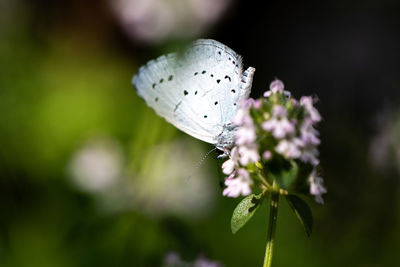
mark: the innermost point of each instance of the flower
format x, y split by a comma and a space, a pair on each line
239, 185
245, 135
267, 155
317, 187
229, 166
248, 154
279, 124
308, 134
290, 149
307, 103
269, 133
276, 86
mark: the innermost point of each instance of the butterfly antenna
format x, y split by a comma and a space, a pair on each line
198, 165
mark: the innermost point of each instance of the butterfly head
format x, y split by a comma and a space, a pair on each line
226, 139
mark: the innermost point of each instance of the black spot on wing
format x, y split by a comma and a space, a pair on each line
218, 81
153, 85
195, 92
170, 77
161, 80
227, 77
233, 91
216, 103
156, 99
196, 73
185, 92
205, 116
177, 105
203, 72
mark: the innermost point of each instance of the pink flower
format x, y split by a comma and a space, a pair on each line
242, 116
267, 155
257, 104
289, 148
310, 154
279, 125
307, 102
240, 185
229, 166
275, 87
245, 135
317, 187
308, 134
248, 154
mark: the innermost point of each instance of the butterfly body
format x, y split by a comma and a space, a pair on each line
197, 91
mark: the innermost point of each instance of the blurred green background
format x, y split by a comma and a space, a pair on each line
90, 176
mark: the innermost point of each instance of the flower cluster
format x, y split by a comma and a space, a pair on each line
275, 137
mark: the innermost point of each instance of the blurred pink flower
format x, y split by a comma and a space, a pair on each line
239, 185
317, 187
157, 20
307, 102
245, 135
248, 154
276, 86
279, 125
289, 148
229, 166
267, 155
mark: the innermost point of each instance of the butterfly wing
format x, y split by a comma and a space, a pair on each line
197, 91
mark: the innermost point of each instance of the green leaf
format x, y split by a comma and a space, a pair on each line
244, 211
302, 211
286, 175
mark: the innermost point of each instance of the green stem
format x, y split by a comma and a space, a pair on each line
273, 215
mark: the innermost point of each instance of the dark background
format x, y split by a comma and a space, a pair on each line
65, 71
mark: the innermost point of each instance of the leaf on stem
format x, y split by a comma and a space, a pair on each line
244, 211
302, 211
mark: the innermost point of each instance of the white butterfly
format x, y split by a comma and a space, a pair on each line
198, 91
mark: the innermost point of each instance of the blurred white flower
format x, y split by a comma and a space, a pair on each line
97, 165
384, 148
157, 20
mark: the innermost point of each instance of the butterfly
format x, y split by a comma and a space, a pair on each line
198, 91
